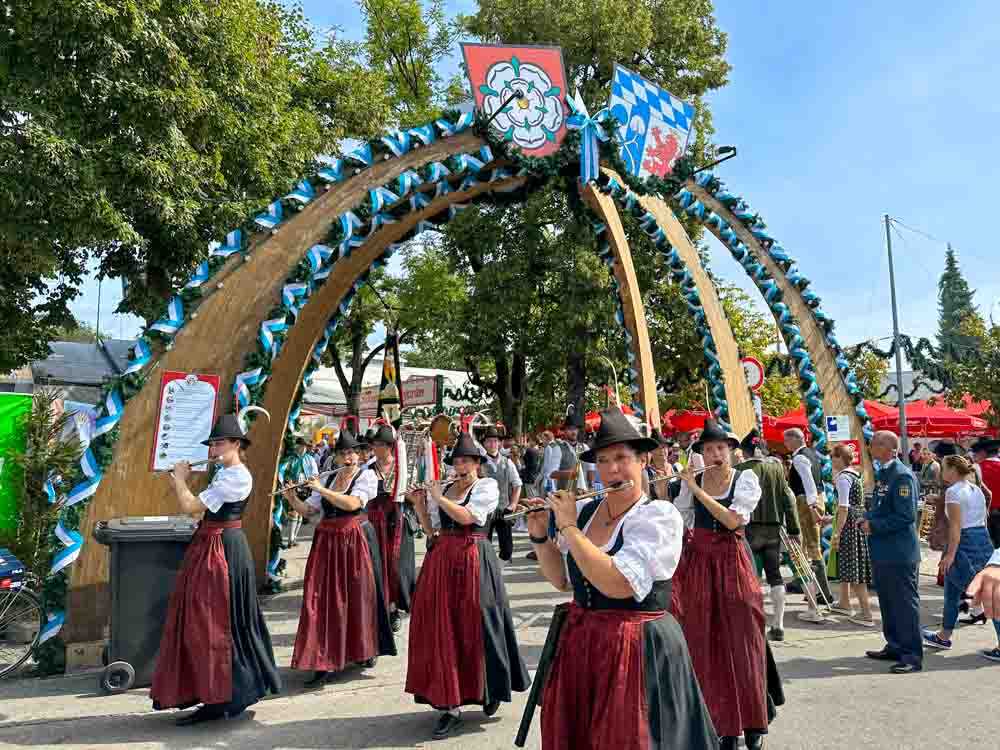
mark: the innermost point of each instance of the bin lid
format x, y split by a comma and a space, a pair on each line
145, 529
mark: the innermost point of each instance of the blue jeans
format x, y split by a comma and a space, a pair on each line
974, 551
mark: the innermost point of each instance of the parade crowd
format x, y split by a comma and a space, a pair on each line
668, 549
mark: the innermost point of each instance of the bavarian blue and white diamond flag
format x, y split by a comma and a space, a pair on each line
657, 125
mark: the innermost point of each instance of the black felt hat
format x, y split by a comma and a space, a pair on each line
943, 449
493, 432
985, 444
615, 429
573, 419
713, 433
750, 442
346, 441
383, 434
466, 447
227, 427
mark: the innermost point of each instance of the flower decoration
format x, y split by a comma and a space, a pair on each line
528, 106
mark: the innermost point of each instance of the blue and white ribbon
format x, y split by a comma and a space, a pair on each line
424, 133
293, 296
362, 155
318, 256
233, 244
92, 473
199, 277
174, 319
448, 128
293, 417
50, 489
407, 182
591, 131
437, 171
271, 217
268, 330
141, 354
241, 386
332, 172
113, 406
397, 141
52, 626
381, 197
303, 193
72, 541
348, 223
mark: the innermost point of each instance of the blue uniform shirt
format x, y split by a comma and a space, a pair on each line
893, 516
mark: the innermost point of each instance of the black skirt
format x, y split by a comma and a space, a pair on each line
386, 638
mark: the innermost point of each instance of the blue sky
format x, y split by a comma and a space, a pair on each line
841, 112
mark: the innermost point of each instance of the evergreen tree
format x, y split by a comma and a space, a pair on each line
954, 306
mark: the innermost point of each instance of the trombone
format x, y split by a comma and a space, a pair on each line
803, 569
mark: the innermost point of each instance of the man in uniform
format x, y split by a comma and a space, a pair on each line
806, 482
895, 554
499, 467
775, 509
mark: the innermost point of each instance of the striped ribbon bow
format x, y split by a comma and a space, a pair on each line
591, 131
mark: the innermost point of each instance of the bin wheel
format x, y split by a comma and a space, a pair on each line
117, 677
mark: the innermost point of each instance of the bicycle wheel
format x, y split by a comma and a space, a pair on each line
21, 620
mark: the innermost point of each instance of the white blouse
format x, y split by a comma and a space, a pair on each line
745, 497
484, 497
845, 480
970, 499
231, 484
651, 544
365, 488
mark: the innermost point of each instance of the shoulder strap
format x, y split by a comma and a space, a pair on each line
587, 512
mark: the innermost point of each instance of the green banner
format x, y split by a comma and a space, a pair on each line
13, 406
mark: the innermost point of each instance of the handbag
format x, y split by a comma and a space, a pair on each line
938, 538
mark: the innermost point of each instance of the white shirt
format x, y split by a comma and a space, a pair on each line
995, 559
745, 497
652, 534
970, 499
230, 484
365, 489
845, 480
550, 460
802, 464
484, 496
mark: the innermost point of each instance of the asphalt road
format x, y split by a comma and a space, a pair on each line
836, 697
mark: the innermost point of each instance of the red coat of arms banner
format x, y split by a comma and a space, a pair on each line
524, 87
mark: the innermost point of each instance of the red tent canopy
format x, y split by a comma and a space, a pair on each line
592, 421
924, 420
685, 420
774, 427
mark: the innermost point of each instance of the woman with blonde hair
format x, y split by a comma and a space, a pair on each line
969, 548
853, 561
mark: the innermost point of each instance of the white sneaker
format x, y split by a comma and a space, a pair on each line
813, 617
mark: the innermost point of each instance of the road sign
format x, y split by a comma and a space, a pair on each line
754, 372
838, 427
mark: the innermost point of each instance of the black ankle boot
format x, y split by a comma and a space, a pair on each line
728, 743
754, 740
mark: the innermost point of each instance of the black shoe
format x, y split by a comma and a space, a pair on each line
776, 634
446, 725
754, 740
904, 668
794, 587
531, 555
395, 622
979, 619
205, 713
370, 663
728, 743
318, 679
883, 655
491, 708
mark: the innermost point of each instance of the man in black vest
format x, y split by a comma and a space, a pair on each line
806, 481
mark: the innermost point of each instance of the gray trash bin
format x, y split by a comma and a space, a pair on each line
146, 554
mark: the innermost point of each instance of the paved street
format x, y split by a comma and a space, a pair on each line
836, 698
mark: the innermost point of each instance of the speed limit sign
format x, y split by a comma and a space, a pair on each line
754, 372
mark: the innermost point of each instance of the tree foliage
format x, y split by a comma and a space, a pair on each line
977, 376
955, 307
138, 132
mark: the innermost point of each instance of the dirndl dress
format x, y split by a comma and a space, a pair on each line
622, 676
395, 537
463, 650
854, 563
344, 618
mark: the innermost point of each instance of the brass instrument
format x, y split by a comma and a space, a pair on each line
802, 566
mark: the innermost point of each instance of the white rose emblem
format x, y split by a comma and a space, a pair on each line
532, 118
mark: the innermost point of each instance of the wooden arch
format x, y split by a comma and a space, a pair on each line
224, 330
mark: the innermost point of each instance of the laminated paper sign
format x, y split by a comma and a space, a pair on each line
184, 419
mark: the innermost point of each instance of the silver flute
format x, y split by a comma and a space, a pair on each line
626, 485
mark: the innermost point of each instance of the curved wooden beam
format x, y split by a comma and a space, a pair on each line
631, 299
741, 412
215, 341
836, 399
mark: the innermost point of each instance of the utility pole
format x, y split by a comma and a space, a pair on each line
904, 448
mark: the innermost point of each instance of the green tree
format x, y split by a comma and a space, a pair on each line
977, 376
138, 132
954, 307
870, 371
